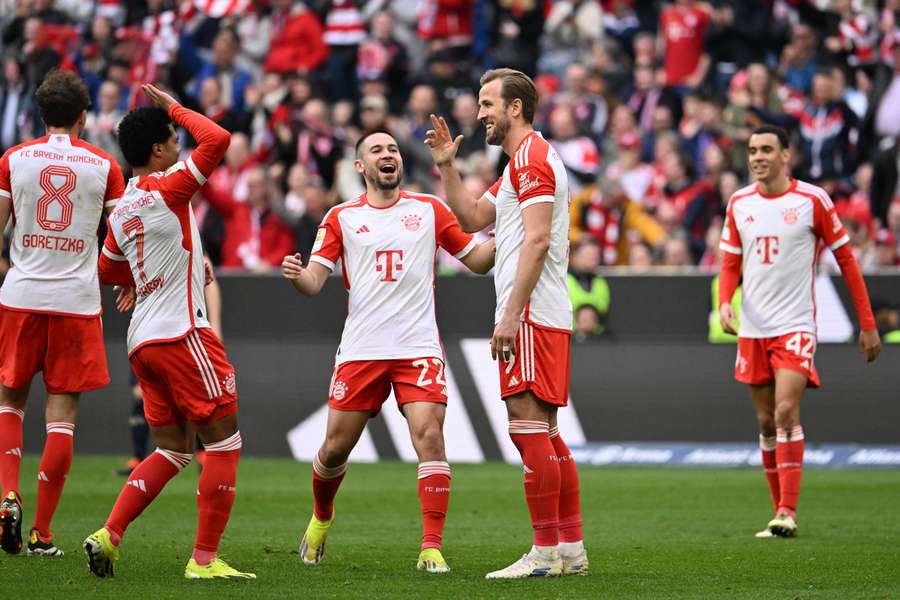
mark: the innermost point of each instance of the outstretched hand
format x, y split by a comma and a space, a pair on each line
869, 344
443, 146
158, 97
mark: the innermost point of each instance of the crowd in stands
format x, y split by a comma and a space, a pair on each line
648, 103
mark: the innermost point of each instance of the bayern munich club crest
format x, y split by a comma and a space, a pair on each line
339, 390
412, 222
791, 216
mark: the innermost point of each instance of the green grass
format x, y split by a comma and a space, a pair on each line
651, 533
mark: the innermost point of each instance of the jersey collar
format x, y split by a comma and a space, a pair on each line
792, 188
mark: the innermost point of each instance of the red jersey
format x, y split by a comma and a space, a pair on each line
683, 29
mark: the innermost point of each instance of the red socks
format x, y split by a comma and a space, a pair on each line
542, 478
325, 484
434, 496
770, 468
569, 491
143, 485
215, 495
10, 448
789, 455
55, 463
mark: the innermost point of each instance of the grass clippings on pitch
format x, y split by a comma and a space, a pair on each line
651, 533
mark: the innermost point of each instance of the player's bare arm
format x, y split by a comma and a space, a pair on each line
536, 220
306, 280
481, 259
474, 214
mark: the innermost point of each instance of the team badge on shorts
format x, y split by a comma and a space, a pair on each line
412, 222
230, 385
741, 364
791, 215
339, 390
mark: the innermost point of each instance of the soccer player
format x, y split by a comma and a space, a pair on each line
55, 187
386, 240
772, 235
533, 318
153, 244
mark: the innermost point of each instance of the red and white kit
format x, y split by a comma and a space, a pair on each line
779, 239
50, 299
153, 243
391, 335
535, 174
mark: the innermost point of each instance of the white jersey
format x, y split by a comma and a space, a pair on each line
534, 174
387, 256
778, 238
58, 186
153, 240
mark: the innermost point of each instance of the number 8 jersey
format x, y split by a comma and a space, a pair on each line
58, 186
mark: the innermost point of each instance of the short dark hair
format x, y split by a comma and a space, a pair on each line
515, 84
61, 98
369, 134
776, 131
139, 130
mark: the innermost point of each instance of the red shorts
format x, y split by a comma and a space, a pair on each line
540, 365
69, 350
759, 358
186, 380
366, 384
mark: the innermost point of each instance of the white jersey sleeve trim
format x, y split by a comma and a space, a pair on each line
111, 203
112, 255
837, 244
5, 194
536, 200
469, 247
730, 248
194, 170
322, 261
490, 197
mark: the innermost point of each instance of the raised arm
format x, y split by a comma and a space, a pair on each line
474, 214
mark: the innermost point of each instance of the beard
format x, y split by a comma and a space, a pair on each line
500, 129
385, 181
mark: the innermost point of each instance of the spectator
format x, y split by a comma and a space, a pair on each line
297, 44
886, 249
233, 81
648, 94
101, 126
255, 237
590, 110
516, 30
676, 253
587, 323
635, 177
211, 102
587, 287
307, 226
411, 134
798, 58
887, 317
383, 59
572, 28
578, 152
465, 116
886, 94
683, 26
345, 30
16, 106
640, 258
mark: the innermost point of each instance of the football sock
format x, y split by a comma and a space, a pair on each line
52, 472
434, 496
542, 478
789, 455
143, 485
325, 484
10, 448
770, 467
570, 529
215, 495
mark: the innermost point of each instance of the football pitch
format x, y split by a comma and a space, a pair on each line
651, 533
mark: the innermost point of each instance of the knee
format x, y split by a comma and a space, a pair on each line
429, 441
334, 452
785, 414
766, 422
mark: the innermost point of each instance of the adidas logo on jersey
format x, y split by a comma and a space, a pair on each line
363, 229
527, 470
513, 381
749, 220
138, 483
43, 476
14, 452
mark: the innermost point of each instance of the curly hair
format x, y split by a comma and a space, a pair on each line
61, 98
139, 130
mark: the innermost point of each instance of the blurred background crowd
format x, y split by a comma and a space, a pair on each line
648, 103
